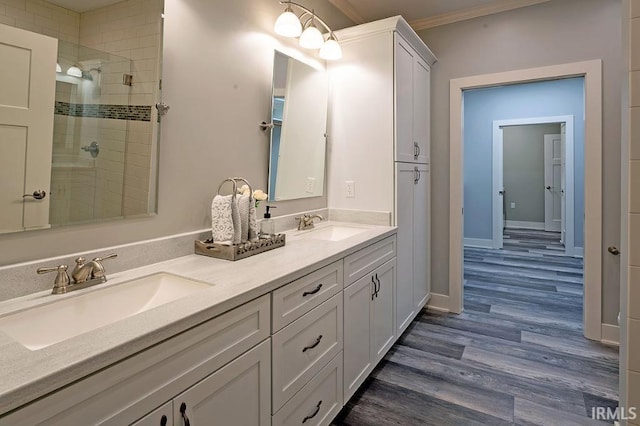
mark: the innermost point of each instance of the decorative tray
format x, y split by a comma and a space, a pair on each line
239, 251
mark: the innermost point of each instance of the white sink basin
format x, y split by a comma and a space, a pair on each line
332, 233
45, 325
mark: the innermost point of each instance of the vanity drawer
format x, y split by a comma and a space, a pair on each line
124, 392
300, 296
302, 348
318, 402
359, 264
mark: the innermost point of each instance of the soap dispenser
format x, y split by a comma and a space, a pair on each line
267, 225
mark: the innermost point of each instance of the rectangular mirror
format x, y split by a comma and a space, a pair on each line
298, 136
95, 154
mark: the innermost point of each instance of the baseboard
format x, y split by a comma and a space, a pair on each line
478, 242
578, 252
438, 302
610, 334
525, 225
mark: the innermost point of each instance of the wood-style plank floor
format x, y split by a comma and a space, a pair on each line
515, 356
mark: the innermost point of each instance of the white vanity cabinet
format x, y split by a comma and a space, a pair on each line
369, 314
414, 284
380, 103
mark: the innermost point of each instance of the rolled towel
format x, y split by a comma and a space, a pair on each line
237, 226
254, 231
244, 201
222, 227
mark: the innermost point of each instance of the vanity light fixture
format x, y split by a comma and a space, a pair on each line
289, 24
58, 68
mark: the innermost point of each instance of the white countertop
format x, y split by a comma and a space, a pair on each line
26, 375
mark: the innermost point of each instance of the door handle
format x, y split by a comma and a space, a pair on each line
501, 192
37, 194
416, 150
613, 250
548, 188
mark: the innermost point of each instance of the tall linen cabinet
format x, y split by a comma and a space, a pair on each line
379, 139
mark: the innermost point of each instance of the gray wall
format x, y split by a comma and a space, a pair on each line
218, 58
551, 33
523, 171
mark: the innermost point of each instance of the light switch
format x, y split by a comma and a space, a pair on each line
513, 205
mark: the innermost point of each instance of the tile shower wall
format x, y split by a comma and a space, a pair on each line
130, 29
41, 17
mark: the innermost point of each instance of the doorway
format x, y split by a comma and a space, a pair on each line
539, 167
592, 73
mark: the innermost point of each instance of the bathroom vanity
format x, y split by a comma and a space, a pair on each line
275, 339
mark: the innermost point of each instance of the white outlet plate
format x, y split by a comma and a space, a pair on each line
310, 186
513, 205
350, 188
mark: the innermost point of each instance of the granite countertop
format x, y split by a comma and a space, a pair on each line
26, 375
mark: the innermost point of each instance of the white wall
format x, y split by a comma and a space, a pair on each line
218, 58
546, 34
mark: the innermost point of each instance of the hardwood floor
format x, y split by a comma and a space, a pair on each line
515, 356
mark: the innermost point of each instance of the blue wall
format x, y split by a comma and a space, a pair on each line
481, 108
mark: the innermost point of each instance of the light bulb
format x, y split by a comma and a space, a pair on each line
288, 24
331, 50
311, 37
58, 68
74, 71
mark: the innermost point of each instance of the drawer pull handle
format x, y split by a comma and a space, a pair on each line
316, 343
315, 413
163, 421
183, 412
314, 291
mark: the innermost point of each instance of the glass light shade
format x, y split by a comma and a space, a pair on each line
58, 68
74, 71
311, 38
288, 24
331, 50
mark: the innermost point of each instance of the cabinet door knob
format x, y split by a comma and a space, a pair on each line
613, 250
163, 421
315, 413
183, 413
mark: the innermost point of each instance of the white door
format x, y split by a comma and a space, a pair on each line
405, 306
552, 181
422, 237
404, 59
237, 394
384, 331
27, 96
421, 110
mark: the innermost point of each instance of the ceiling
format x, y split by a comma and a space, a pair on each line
423, 14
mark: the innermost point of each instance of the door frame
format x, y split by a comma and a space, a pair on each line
498, 163
592, 73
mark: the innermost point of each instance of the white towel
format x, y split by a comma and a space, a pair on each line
244, 202
237, 226
222, 227
254, 232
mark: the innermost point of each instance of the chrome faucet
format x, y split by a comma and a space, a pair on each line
306, 221
84, 275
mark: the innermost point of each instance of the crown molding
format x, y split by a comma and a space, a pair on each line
347, 8
465, 14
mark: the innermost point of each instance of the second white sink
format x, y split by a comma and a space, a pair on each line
45, 325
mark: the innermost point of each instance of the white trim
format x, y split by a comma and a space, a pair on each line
498, 144
610, 334
592, 71
469, 13
520, 224
478, 242
438, 302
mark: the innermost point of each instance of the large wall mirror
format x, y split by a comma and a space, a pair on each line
78, 129
298, 136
